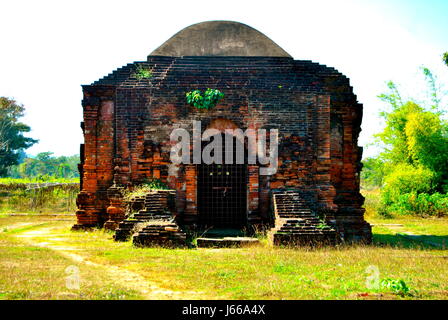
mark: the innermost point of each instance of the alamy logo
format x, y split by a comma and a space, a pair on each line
73, 279
373, 277
212, 152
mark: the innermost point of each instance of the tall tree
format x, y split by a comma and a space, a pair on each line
415, 137
12, 140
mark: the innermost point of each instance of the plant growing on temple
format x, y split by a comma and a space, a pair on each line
322, 225
155, 184
144, 188
142, 73
12, 140
207, 101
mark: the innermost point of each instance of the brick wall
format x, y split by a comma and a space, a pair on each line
127, 123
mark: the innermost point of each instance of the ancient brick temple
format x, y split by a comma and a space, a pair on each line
128, 120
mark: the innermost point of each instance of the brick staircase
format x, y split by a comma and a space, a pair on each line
156, 206
154, 223
296, 223
160, 233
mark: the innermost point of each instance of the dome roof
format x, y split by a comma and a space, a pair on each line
219, 38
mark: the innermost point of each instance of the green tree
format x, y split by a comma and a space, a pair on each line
44, 165
12, 140
393, 97
373, 172
427, 141
445, 58
434, 90
414, 162
416, 135
393, 137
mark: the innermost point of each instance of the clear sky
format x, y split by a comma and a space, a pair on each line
50, 48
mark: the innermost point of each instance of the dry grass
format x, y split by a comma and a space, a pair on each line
250, 273
34, 272
16, 198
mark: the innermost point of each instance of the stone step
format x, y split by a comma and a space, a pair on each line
305, 240
154, 217
125, 229
288, 217
152, 211
303, 221
297, 215
286, 229
296, 223
291, 204
226, 242
293, 210
296, 208
158, 229
298, 219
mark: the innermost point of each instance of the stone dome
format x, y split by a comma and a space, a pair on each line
220, 38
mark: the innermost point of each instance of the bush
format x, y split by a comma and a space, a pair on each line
397, 286
422, 204
409, 191
406, 179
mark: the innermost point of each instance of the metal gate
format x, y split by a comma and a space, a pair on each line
222, 194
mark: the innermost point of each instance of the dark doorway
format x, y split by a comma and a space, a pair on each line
222, 193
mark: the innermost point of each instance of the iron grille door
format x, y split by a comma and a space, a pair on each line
222, 195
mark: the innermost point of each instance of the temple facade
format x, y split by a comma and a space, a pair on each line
130, 114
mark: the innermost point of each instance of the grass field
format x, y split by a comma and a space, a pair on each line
15, 181
35, 252
16, 196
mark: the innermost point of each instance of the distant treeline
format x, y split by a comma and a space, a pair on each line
45, 166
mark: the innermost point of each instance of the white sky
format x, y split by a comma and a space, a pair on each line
49, 48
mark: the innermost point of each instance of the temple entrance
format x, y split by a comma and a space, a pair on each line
222, 194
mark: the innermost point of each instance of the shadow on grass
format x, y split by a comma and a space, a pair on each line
411, 242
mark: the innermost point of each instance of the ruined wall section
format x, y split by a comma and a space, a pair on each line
346, 156
97, 164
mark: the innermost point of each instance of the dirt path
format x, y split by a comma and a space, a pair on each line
125, 278
17, 225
